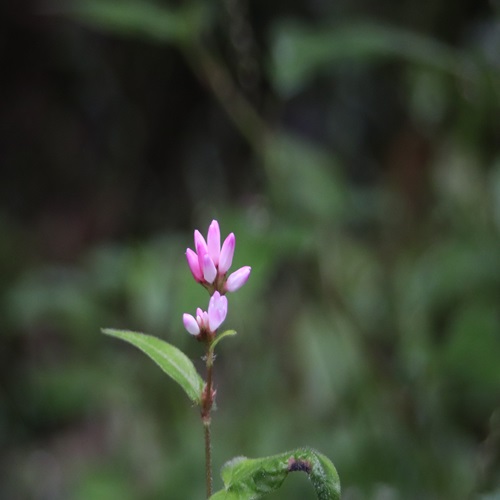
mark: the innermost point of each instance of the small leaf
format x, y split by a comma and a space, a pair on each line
251, 479
227, 333
170, 359
324, 478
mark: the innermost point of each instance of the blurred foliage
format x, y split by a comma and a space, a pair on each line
352, 147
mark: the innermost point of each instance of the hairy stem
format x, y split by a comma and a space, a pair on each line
208, 459
206, 408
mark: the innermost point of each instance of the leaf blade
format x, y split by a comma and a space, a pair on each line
168, 357
251, 479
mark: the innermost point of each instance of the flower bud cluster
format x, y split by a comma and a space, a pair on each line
206, 322
209, 265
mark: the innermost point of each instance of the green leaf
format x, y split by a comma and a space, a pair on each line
299, 52
141, 18
170, 359
250, 479
227, 333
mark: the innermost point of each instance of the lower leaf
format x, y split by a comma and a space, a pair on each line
251, 479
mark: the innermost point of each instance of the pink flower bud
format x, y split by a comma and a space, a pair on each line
217, 311
226, 254
213, 241
203, 322
199, 241
237, 279
194, 265
190, 324
209, 269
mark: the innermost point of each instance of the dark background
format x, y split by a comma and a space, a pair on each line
351, 146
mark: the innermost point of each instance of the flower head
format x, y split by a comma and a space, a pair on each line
210, 262
205, 323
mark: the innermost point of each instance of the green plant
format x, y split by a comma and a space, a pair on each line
244, 478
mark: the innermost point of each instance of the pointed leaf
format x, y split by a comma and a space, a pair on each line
227, 333
251, 479
170, 359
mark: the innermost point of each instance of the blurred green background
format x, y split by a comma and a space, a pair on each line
351, 146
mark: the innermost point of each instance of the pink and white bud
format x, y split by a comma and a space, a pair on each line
217, 311
194, 265
191, 324
226, 254
237, 279
199, 241
209, 269
213, 241
202, 318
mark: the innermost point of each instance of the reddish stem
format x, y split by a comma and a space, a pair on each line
206, 407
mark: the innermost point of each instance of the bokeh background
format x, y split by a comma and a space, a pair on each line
352, 147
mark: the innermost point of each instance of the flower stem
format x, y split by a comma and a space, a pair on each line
206, 407
208, 459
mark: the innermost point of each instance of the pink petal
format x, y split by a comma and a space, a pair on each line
237, 279
209, 269
213, 241
199, 242
205, 319
217, 311
194, 265
190, 324
199, 319
226, 254
201, 250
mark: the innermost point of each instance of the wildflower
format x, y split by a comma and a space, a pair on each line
210, 262
206, 322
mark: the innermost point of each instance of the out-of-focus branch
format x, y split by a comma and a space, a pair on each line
213, 73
